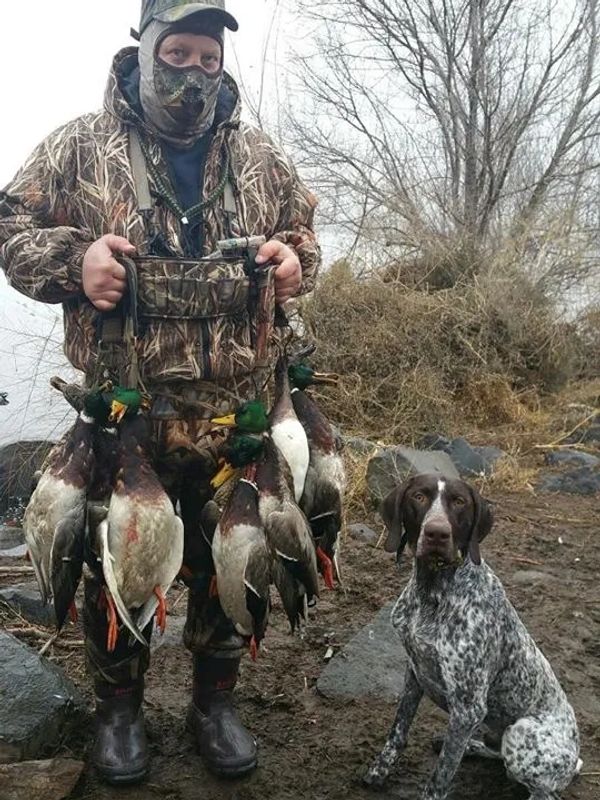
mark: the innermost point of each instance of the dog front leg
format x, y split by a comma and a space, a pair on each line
461, 726
396, 741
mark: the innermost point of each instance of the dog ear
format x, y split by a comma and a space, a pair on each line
391, 512
482, 524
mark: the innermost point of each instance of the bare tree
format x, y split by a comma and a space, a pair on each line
460, 121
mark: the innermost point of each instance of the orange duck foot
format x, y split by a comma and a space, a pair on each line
254, 647
326, 568
113, 625
161, 611
73, 615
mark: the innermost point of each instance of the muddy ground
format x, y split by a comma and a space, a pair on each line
314, 749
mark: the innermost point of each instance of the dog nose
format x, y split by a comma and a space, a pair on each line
437, 534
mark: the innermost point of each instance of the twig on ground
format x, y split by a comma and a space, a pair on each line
557, 442
530, 561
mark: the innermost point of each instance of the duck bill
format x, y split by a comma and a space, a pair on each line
328, 378
226, 422
117, 411
224, 474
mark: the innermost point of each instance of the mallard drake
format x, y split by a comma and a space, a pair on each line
54, 522
288, 534
243, 563
325, 485
294, 567
140, 542
286, 430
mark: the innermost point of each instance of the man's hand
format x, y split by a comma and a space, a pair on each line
288, 275
104, 279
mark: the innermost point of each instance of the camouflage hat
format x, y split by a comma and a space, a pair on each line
176, 10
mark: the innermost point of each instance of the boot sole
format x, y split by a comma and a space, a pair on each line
119, 779
230, 773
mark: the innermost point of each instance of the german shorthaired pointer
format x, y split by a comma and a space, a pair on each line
468, 650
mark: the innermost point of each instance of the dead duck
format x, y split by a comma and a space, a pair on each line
294, 566
140, 543
242, 562
287, 431
54, 522
325, 485
288, 534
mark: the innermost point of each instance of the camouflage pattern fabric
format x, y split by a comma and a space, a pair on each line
78, 185
176, 10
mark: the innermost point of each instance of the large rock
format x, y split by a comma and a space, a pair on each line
585, 481
48, 780
362, 532
371, 665
468, 459
574, 458
38, 704
26, 599
392, 465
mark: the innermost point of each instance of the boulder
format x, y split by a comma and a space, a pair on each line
474, 461
26, 599
51, 780
574, 458
434, 441
391, 465
363, 533
584, 481
38, 704
371, 665
468, 459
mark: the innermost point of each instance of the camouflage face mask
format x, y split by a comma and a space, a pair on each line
186, 92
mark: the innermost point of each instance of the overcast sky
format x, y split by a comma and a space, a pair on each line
54, 60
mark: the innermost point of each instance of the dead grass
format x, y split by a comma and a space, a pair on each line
476, 355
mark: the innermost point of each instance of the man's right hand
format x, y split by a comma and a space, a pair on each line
104, 279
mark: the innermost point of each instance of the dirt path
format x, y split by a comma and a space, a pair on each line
312, 749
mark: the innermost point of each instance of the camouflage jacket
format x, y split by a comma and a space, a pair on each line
78, 185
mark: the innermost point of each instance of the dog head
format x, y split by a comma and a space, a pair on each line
440, 519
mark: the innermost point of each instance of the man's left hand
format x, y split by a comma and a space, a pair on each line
288, 275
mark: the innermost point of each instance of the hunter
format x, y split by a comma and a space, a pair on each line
161, 175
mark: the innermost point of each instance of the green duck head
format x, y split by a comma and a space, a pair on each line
251, 417
125, 402
302, 376
96, 405
242, 449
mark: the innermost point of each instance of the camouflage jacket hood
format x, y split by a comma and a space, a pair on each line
78, 185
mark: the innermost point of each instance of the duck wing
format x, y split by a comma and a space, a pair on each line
66, 562
294, 561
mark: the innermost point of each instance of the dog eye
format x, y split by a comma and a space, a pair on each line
419, 497
459, 501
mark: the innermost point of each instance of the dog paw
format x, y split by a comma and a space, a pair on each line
374, 778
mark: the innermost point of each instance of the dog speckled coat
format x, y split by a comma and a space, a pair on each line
468, 650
